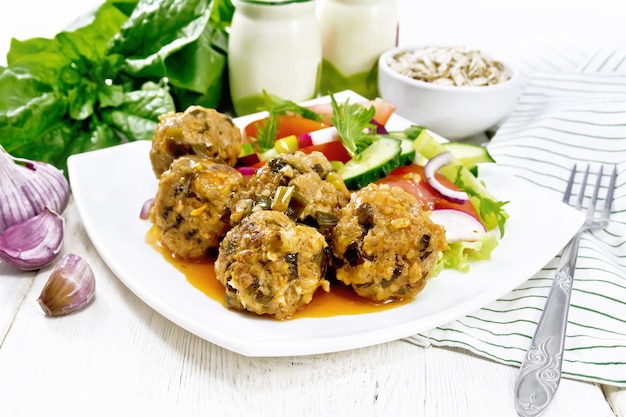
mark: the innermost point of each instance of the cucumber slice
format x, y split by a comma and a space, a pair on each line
376, 161
407, 153
469, 155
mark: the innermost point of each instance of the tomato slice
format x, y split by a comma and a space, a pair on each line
384, 110
411, 178
287, 126
334, 151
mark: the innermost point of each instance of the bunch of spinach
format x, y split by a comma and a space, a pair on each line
108, 81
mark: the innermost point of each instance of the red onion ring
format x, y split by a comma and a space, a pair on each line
144, 214
305, 140
380, 129
430, 169
246, 171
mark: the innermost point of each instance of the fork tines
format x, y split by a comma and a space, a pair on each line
608, 200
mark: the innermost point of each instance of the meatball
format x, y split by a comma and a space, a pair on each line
196, 131
303, 186
271, 265
385, 245
193, 203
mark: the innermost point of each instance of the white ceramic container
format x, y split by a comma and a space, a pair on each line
354, 34
454, 112
274, 45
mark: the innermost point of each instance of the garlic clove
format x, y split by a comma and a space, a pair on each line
33, 243
26, 187
71, 286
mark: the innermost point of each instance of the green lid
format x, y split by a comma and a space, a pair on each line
273, 2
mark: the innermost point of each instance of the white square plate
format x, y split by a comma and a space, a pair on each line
110, 186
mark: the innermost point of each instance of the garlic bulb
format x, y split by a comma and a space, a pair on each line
26, 187
71, 286
33, 243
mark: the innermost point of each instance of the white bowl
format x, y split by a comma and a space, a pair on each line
454, 112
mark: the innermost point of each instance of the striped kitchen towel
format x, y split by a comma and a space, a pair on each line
563, 118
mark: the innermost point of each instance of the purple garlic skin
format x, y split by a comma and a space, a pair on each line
33, 243
26, 187
71, 287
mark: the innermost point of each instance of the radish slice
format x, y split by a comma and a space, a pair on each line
459, 225
430, 169
325, 135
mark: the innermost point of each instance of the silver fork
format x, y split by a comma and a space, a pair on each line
540, 372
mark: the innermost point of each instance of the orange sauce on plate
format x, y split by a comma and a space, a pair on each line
341, 300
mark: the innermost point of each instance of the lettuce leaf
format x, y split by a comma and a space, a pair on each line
460, 254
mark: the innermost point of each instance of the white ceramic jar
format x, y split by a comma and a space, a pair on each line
274, 45
354, 34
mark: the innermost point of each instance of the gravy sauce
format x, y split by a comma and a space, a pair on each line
341, 300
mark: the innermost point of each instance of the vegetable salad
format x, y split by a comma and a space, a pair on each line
353, 136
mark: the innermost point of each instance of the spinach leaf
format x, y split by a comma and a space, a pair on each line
57, 95
183, 41
108, 81
29, 116
136, 116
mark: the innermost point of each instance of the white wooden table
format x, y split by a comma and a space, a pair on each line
119, 357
